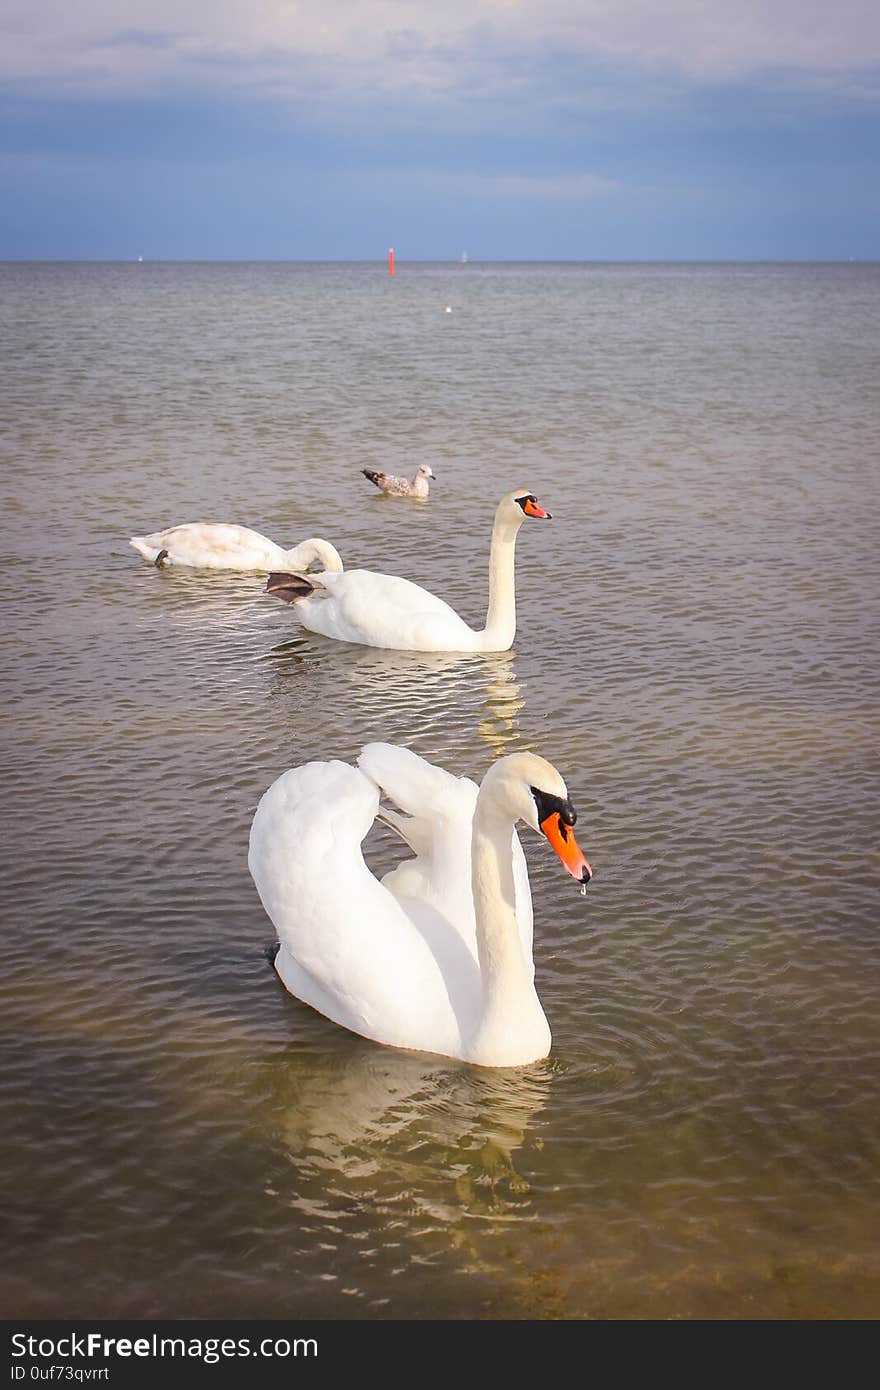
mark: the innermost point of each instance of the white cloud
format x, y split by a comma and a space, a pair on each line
434, 46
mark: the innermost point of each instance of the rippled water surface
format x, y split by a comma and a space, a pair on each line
697, 653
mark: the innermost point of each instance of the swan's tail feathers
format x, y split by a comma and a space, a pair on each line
143, 546
377, 478
290, 587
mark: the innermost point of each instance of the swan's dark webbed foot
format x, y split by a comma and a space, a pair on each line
160, 559
270, 952
290, 587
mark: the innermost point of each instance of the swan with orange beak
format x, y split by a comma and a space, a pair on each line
437, 956
384, 610
556, 819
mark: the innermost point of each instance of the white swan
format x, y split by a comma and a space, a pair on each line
438, 955
216, 545
416, 486
381, 610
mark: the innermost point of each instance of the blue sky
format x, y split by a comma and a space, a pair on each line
513, 129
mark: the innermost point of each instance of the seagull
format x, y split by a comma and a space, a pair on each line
417, 486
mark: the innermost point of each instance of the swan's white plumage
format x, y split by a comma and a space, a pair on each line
347, 944
220, 545
439, 813
383, 610
399, 960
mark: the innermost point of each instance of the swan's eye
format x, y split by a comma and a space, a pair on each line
549, 805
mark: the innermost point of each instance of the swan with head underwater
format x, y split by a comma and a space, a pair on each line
219, 545
437, 957
382, 610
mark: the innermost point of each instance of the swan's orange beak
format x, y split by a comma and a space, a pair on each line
533, 508
561, 837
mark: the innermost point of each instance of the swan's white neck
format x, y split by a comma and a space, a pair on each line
302, 555
500, 629
513, 1029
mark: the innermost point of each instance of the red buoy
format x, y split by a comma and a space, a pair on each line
391, 261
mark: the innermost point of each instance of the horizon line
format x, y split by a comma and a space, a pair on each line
435, 260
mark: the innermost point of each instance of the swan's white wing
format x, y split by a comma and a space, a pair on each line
382, 610
348, 946
439, 810
212, 545
437, 825
418, 787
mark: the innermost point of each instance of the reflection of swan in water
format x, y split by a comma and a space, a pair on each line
405, 674
500, 725
380, 1124
208, 601
455, 687
402, 678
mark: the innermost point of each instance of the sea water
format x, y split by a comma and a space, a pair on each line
696, 652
